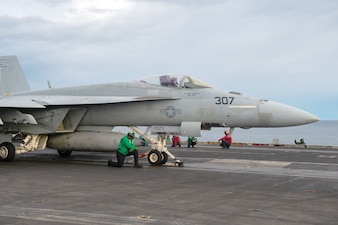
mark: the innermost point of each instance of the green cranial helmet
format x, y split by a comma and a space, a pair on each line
131, 134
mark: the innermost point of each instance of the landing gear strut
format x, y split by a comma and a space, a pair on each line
159, 154
29, 143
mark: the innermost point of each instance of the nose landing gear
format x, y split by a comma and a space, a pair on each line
159, 154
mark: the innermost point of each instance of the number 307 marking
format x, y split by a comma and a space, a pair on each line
224, 100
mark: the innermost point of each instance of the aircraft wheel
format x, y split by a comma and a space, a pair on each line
7, 151
154, 157
164, 158
64, 153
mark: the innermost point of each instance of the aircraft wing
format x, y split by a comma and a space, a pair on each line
43, 101
19, 102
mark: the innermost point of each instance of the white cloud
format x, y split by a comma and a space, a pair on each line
283, 51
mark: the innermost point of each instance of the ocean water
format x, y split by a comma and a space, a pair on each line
322, 133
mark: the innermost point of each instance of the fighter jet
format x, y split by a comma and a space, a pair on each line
82, 118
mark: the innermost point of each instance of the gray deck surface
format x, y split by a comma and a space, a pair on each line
242, 185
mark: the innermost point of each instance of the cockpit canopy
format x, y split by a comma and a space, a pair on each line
175, 81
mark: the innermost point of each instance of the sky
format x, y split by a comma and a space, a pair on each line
284, 51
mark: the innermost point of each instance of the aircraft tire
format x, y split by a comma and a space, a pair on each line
64, 153
154, 157
164, 158
7, 152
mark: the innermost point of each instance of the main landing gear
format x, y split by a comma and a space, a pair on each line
159, 154
7, 151
29, 143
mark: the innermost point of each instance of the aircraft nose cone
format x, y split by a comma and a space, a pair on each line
273, 114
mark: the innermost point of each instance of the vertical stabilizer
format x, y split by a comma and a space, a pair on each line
12, 79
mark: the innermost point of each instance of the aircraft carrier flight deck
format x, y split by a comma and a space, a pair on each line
240, 185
